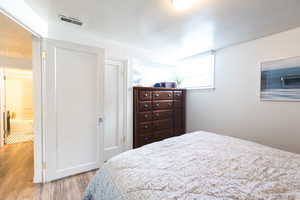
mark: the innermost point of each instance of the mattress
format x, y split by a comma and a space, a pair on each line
199, 165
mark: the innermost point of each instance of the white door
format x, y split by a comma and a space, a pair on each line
114, 101
73, 106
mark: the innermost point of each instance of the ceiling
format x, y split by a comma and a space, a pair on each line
15, 41
155, 25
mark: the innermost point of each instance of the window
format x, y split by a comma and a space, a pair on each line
196, 72
147, 74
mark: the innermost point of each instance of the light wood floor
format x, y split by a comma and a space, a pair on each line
16, 173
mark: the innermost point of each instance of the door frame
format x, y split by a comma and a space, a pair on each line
37, 74
2, 106
124, 65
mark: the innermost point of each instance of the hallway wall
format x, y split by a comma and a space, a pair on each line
19, 94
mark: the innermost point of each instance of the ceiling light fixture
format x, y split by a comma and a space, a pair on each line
182, 5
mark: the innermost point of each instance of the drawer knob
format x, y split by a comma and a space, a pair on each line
157, 105
169, 95
157, 115
169, 104
157, 95
146, 127
146, 105
145, 95
178, 95
146, 116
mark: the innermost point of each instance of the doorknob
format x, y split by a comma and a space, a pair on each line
100, 120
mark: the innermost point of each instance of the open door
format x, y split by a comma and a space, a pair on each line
73, 86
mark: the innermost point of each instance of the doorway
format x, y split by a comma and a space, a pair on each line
66, 142
17, 106
20, 110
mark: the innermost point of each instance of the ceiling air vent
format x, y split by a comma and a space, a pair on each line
70, 20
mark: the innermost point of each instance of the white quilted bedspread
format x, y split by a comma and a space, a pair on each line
206, 166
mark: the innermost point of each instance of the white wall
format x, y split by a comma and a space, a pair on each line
234, 107
15, 62
19, 102
113, 50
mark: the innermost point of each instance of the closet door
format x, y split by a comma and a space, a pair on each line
114, 123
73, 105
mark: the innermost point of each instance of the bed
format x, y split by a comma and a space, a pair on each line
199, 165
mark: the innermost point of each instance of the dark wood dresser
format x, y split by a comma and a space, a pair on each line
158, 113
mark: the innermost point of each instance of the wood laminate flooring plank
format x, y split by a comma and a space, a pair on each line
16, 174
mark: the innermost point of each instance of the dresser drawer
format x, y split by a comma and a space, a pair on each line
160, 105
162, 124
158, 115
144, 139
178, 95
145, 95
161, 135
178, 104
145, 106
145, 127
144, 116
162, 95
